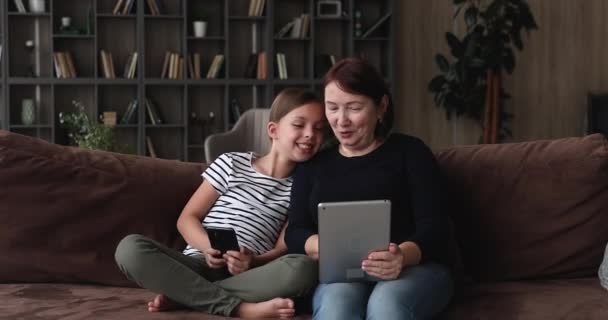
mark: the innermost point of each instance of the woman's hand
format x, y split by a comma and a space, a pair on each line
386, 265
238, 261
213, 258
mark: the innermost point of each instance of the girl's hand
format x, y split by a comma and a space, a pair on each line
213, 258
238, 261
386, 265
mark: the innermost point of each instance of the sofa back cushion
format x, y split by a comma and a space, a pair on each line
531, 209
63, 210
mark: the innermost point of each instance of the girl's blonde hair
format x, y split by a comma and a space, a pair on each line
289, 99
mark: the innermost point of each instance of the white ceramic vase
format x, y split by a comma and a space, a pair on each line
28, 112
200, 29
37, 6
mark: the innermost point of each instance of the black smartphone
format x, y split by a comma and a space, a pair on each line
222, 239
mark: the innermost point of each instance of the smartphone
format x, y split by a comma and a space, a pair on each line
223, 239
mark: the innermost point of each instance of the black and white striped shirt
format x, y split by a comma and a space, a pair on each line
253, 204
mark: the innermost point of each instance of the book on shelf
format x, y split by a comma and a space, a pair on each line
130, 66
197, 65
215, 67
300, 27
261, 72
124, 7
191, 74
281, 65
285, 29
250, 69
64, 65
180, 68
150, 147
153, 7
235, 111
70, 64
376, 26
154, 116
163, 73
107, 64
129, 116
256, 8
358, 26
20, 7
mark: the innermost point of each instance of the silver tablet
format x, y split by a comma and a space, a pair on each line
348, 232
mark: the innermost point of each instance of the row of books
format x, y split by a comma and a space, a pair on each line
173, 66
64, 65
256, 8
123, 6
296, 28
107, 65
153, 114
256, 66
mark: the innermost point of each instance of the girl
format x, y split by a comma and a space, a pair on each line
251, 195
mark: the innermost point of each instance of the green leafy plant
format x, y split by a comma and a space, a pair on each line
470, 85
85, 132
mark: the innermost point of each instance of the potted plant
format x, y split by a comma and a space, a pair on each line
471, 84
85, 132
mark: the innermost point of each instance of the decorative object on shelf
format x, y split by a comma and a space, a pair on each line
85, 132
108, 118
37, 6
358, 25
199, 22
200, 28
329, 8
28, 112
66, 26
31, 68
471, 85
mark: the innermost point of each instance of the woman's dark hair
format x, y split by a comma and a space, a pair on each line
358, 76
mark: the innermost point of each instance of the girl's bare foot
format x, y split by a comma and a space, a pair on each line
162, 303
275, 308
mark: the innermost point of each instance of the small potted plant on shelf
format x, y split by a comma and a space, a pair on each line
85, 132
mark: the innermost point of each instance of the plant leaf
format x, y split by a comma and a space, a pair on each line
442, 63
436, 83
454, 44
470, 16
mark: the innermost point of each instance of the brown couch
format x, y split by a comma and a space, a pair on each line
531, 222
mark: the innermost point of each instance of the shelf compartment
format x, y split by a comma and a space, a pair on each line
82, 52
117, 98
167, 142
168, 102
120, 50
22, 29
205, 112
211, 11
41, 94
81, 12
161, 38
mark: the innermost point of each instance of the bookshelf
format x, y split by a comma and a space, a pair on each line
189, 108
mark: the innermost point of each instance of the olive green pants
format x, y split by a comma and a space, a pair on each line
190, 282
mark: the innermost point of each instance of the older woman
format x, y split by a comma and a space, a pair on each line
367, 164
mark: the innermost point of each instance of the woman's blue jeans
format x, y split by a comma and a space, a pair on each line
420, 292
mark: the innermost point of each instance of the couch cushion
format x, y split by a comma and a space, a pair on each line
530, 209
62, 301
547, 299
63, 210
